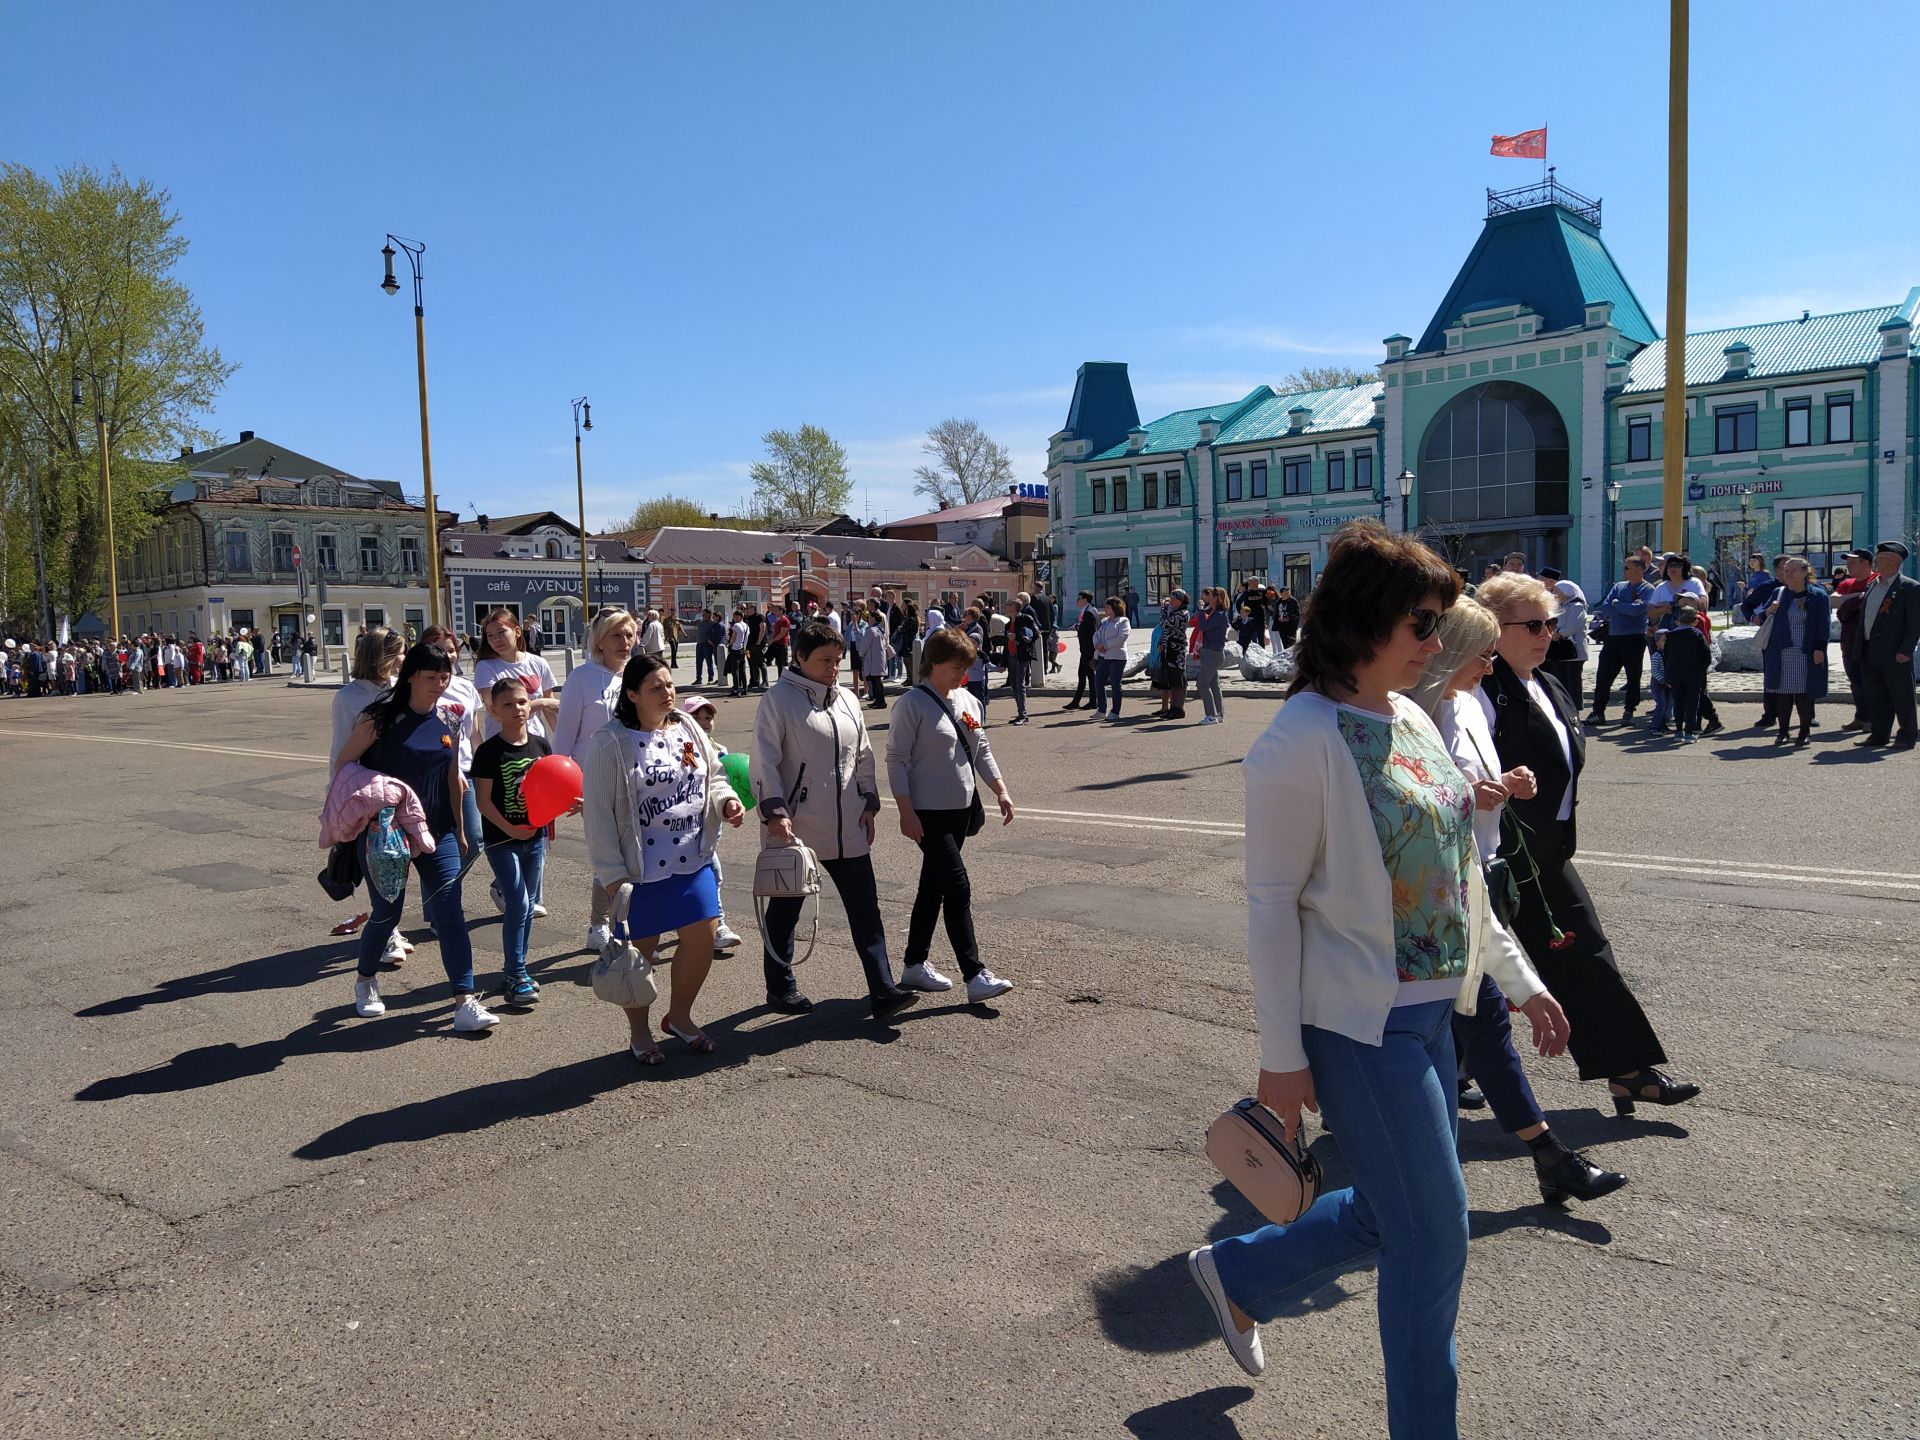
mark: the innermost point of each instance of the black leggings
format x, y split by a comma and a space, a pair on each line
943, 886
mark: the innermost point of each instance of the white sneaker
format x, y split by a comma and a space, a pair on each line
539, 911
396, 948
1244, 1347
986, 985
366, 999
472, 1015
598, 936
924, 977
725, 939
1208, 720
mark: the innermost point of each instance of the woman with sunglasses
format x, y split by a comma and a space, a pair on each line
1449, 692
1535, 725
1367, 925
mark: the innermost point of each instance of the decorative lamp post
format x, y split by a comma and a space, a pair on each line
1406, 496
847, 561
1612, 508
106, 492
582, 420
413, 250
1043, 557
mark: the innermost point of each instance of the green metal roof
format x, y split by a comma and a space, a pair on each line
1260, 414
1345, 407
1780, 347
1545, 257
255, 453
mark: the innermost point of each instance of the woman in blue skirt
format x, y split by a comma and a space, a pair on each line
655, 798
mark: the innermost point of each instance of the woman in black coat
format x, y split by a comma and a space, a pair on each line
1536, 725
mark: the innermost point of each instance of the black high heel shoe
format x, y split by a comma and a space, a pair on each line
1564, 1172
1652, 1086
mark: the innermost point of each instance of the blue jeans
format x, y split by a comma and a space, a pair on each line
1392, 1107
1017, 679
517, 867
438, 873
1107, 675
704, 667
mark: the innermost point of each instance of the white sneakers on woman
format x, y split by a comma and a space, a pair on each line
366, 998
986, 985
1243, 1345
471, 1015
924, 977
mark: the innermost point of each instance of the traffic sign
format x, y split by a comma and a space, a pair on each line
296, 557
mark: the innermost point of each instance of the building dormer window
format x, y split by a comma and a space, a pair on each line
553, 549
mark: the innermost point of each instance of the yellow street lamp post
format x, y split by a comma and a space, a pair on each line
582, 419
1674, 398
106, 494
413, 250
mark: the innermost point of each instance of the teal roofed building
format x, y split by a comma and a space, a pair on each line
1527, 418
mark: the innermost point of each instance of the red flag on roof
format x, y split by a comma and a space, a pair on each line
1527, 145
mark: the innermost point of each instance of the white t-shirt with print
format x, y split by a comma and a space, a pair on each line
530, 668
670, 801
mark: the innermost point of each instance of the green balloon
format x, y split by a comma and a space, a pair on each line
735, 764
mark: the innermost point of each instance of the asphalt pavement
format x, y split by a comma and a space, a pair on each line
234, 1209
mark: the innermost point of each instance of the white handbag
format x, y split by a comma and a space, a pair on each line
622, 976
787, 870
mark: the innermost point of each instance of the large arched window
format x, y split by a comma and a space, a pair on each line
1498, 451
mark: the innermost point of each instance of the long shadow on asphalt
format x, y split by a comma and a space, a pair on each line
1155, 1310
284, 971
1201, 1416
1154, 777
566, 1087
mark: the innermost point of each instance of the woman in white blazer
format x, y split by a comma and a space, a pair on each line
1368, 924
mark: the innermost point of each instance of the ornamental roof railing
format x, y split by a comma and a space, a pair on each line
1546, 192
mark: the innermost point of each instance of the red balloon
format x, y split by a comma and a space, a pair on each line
550, 787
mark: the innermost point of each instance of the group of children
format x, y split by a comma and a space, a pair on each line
1685, 653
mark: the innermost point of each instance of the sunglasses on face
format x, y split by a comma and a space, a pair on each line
1534, 627
1425, 622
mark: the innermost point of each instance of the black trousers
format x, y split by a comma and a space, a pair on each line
861, 898
1889, 691
1850, 662
1083, 686
944, 887
1611, 1033
757, 666
736, 672
1628, 652
1686, 706
1484, 1043
1564, 664
877, 689
1288, 633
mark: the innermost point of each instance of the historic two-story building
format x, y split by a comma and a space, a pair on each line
260, 537
1527, 417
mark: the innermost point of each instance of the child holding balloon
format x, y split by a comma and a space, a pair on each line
516, 848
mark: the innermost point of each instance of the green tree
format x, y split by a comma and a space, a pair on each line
668, 509
87, 286
1324, 377
805, 473
968, 464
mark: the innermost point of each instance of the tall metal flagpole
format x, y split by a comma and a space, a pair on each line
1674, 405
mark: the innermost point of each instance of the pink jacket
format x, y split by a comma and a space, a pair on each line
358, 794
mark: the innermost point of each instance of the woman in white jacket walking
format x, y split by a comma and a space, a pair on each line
813, 774
586, 704
1367, 925
655, 797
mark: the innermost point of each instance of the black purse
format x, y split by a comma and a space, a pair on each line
343, 873
976, 812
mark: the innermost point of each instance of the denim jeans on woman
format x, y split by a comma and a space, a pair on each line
1392, 1107
439, 873
1107, 675
517, 868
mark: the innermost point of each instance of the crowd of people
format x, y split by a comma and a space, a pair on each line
32, 669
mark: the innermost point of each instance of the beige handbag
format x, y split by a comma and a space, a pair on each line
784, 870
622, 976
1248, 1145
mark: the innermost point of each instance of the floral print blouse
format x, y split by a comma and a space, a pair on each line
1422, 810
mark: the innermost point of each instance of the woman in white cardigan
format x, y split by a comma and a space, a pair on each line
586, 704
1368, 924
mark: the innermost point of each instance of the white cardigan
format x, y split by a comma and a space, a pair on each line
1319, 900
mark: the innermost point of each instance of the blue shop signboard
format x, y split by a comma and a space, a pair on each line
529, 591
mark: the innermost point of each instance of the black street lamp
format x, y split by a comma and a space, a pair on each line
1611, 509
583, 420
1406, 496
413, 250
848, 562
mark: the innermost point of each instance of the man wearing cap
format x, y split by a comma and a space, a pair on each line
1889, 631
1850, 598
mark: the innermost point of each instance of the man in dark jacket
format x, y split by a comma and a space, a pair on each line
1889, 632
1083, 628
1849, 599
1049, 633
1023, 648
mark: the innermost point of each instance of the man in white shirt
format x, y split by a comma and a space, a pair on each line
653, 636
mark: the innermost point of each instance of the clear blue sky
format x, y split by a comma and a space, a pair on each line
716, 220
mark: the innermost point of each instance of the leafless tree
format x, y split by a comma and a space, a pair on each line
968, 464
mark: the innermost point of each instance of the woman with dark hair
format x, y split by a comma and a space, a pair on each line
813, 773
1170, 665
1367, 927
655, 797
1795, 658
403, 734
1536, 726
936, 747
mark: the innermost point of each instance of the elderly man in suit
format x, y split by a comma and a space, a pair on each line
1889, 631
